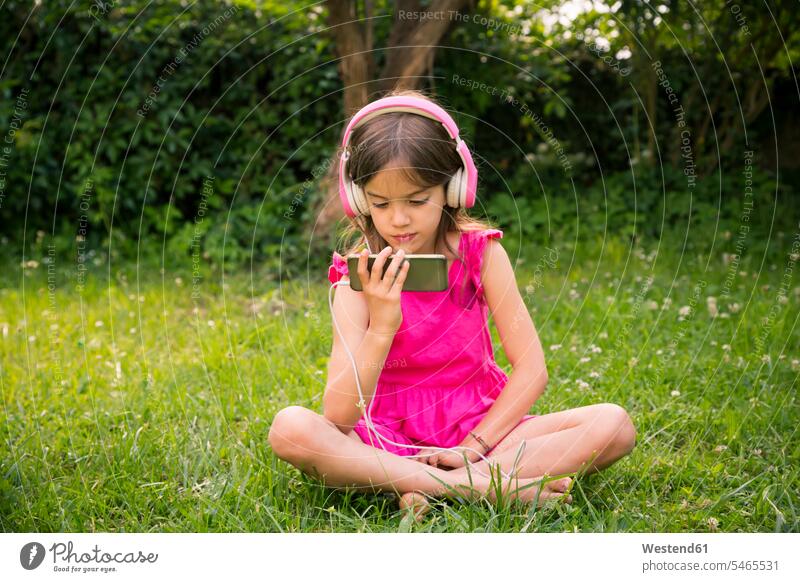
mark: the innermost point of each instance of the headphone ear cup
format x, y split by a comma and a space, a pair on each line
358, 198
455, 189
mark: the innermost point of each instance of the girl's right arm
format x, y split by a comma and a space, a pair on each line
368, 321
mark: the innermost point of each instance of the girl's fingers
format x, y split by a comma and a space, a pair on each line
377, 267
401, 277
391, 272
426, 456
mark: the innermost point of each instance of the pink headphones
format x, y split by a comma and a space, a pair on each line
462, 186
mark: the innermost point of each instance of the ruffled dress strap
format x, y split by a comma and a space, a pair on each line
338, 269
474, 248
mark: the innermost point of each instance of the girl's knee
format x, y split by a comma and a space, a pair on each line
289, 430
620, 427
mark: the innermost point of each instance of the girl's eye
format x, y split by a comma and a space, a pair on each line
413, 203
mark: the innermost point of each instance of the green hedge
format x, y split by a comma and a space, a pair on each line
198, 129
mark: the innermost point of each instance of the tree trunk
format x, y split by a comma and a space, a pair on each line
410, 53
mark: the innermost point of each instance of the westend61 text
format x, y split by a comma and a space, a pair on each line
668, 549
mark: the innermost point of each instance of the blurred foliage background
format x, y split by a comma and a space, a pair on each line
107, 137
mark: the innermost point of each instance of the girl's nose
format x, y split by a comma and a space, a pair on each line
400, 218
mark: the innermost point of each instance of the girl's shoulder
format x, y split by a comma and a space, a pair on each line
473, 242
473, 248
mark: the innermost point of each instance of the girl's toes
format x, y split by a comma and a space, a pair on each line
415, 501
562, 484
556, 489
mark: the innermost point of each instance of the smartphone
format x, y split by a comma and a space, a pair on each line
425, 273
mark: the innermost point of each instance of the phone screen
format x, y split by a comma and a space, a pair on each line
426, 273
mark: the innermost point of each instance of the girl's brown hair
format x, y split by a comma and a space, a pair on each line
428, 156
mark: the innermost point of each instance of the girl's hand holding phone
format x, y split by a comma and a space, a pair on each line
382, 292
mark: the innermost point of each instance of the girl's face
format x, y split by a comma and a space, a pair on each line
399, 207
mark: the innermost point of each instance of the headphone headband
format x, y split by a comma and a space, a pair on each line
462, 188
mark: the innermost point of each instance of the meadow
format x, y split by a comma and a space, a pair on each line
138, 398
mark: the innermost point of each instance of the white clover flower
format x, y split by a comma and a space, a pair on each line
582, 385
651, 305
98, 323
633, 361
734, 307
594, 374
603, 335
675, 393
584, 360
684, 311
711, 303
726, 347
555, 347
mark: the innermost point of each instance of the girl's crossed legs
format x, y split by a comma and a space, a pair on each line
313, 444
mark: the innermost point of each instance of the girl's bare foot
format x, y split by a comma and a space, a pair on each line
417, 502
525, 490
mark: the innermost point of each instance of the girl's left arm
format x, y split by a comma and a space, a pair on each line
521, 343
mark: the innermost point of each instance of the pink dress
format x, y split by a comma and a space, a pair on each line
440, 377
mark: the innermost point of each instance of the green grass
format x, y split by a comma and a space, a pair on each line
130, 407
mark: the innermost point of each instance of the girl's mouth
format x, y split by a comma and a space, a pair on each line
405, 238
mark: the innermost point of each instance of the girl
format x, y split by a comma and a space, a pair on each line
441, 412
